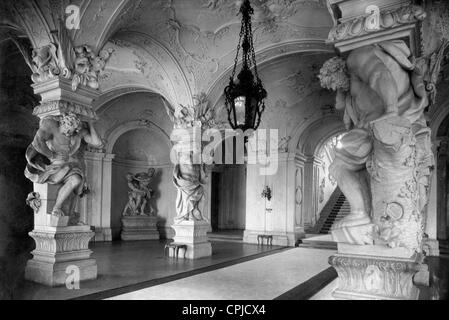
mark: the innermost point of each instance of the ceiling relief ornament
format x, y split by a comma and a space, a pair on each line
199, 115
141, 60
202, 40
304, 81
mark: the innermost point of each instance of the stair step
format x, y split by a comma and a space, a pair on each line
340, 210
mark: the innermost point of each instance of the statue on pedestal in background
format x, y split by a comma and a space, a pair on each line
190, 177
385, 160
56, 157
140, 194
189, 180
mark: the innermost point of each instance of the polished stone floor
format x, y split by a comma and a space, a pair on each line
265, 278
129, 266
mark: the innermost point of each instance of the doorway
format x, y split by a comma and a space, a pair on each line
228, 200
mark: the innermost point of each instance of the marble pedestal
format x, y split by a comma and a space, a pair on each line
62, 254
61, 250
194, 235
139, 228
377, 273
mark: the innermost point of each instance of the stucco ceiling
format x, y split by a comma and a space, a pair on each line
201, 35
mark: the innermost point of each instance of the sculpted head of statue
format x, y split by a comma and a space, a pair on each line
334, 75
69, 124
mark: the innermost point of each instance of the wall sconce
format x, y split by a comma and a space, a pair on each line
266, 193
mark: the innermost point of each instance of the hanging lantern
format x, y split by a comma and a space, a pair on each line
245, 96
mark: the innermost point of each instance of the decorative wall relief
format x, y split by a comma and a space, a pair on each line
299, 195
283, 144
322, 186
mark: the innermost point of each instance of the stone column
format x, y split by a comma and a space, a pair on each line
311, 191
61, 248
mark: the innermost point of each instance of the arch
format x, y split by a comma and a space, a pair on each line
311, 136
115, 133
117, 92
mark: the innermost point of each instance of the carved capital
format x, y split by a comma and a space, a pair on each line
62, 107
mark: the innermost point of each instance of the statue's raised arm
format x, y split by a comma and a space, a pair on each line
91, 136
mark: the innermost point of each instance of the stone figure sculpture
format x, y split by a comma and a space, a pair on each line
189, 179
384, 164
56, 157
140, 194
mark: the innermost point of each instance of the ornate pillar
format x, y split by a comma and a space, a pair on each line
61, 240
311, 192
190, 178
300, 204
384, 165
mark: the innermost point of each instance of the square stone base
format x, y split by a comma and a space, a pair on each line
60, 273
139, 228
194, 235
61, 256
376, 278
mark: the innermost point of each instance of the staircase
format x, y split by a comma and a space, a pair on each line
337, 208
444, 247
340, 210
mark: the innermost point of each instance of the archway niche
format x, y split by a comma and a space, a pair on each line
136, 151
136, 130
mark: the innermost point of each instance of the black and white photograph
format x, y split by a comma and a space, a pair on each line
224, 156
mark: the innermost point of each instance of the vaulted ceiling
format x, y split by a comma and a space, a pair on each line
200, 35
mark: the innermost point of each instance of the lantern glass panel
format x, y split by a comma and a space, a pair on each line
240, 106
